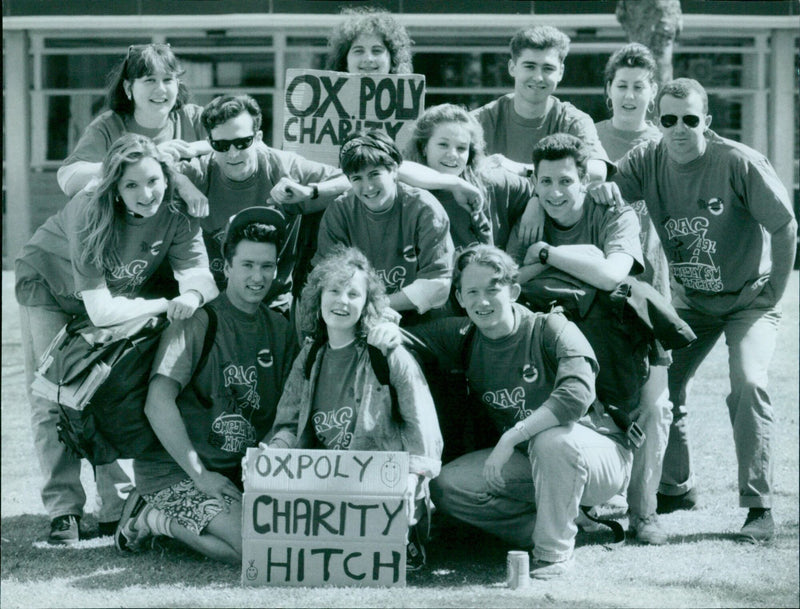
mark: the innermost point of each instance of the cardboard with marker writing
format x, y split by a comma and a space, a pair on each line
324, 518
321, 108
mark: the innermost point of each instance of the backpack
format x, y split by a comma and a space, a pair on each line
622, 326
380, 367
99, 377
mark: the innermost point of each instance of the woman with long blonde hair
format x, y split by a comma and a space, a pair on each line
93, 258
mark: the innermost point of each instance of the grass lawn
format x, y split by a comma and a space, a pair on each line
701, 566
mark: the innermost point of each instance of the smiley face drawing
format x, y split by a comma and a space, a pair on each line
251, 572
390, 473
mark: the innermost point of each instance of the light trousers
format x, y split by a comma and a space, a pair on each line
62, 491
566, 466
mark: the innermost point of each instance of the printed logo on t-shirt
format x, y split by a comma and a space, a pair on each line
242, 383
715, 206
232, 433
691, 253
264, 358
130, 275
511, 400
333, 427
410, 253
217, 263
530, 373
393, 279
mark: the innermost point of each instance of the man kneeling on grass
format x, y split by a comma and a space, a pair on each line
535, 373
206, 414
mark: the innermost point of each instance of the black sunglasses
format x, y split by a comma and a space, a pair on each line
239, 142
670, 120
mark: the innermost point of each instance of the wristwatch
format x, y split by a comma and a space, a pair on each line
314, 191
544, 254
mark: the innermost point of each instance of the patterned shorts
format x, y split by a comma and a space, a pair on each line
187, 504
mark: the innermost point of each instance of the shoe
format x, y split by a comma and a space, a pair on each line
415, 550
673, 503
543, 569
759, 525
647, 530
64, 530
132, 529
107, 529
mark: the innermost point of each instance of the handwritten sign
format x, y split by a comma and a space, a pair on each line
322, 108
324, 518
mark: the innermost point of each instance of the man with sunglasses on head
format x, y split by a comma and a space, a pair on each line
242, 172
728, 229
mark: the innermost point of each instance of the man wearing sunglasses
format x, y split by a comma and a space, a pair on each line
728, 229
243, 172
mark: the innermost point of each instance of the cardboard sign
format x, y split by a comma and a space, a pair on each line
322, 517
322, 108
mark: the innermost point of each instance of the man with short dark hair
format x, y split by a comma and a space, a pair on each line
242, 172
729, 233
514, 123
600, 247
207, 412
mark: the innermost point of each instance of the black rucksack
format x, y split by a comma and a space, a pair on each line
99, 377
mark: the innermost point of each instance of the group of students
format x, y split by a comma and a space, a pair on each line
482, 212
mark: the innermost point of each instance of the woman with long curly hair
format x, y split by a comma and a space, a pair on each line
93, 257
333, 398
369, 41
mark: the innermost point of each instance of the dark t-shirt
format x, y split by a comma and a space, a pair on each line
334, 409
230, 404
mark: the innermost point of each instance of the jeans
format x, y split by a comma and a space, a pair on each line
750, 335
567, 466
654, 417
62, 492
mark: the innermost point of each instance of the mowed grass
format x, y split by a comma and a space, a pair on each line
701, 566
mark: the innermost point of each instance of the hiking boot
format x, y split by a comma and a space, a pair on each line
64, 530
543, 569
106, 529
647, 530
415, 550
673, 503
759, 525
132, 529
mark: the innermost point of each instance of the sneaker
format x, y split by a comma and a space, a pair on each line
107, 529
759, 525
543, 569
132, 529
647, 530
673, 503
415, 550
64, 530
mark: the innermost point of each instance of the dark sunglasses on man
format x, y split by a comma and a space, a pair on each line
240, 143
670, 120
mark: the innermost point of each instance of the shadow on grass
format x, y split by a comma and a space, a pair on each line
459, 554
94, 563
